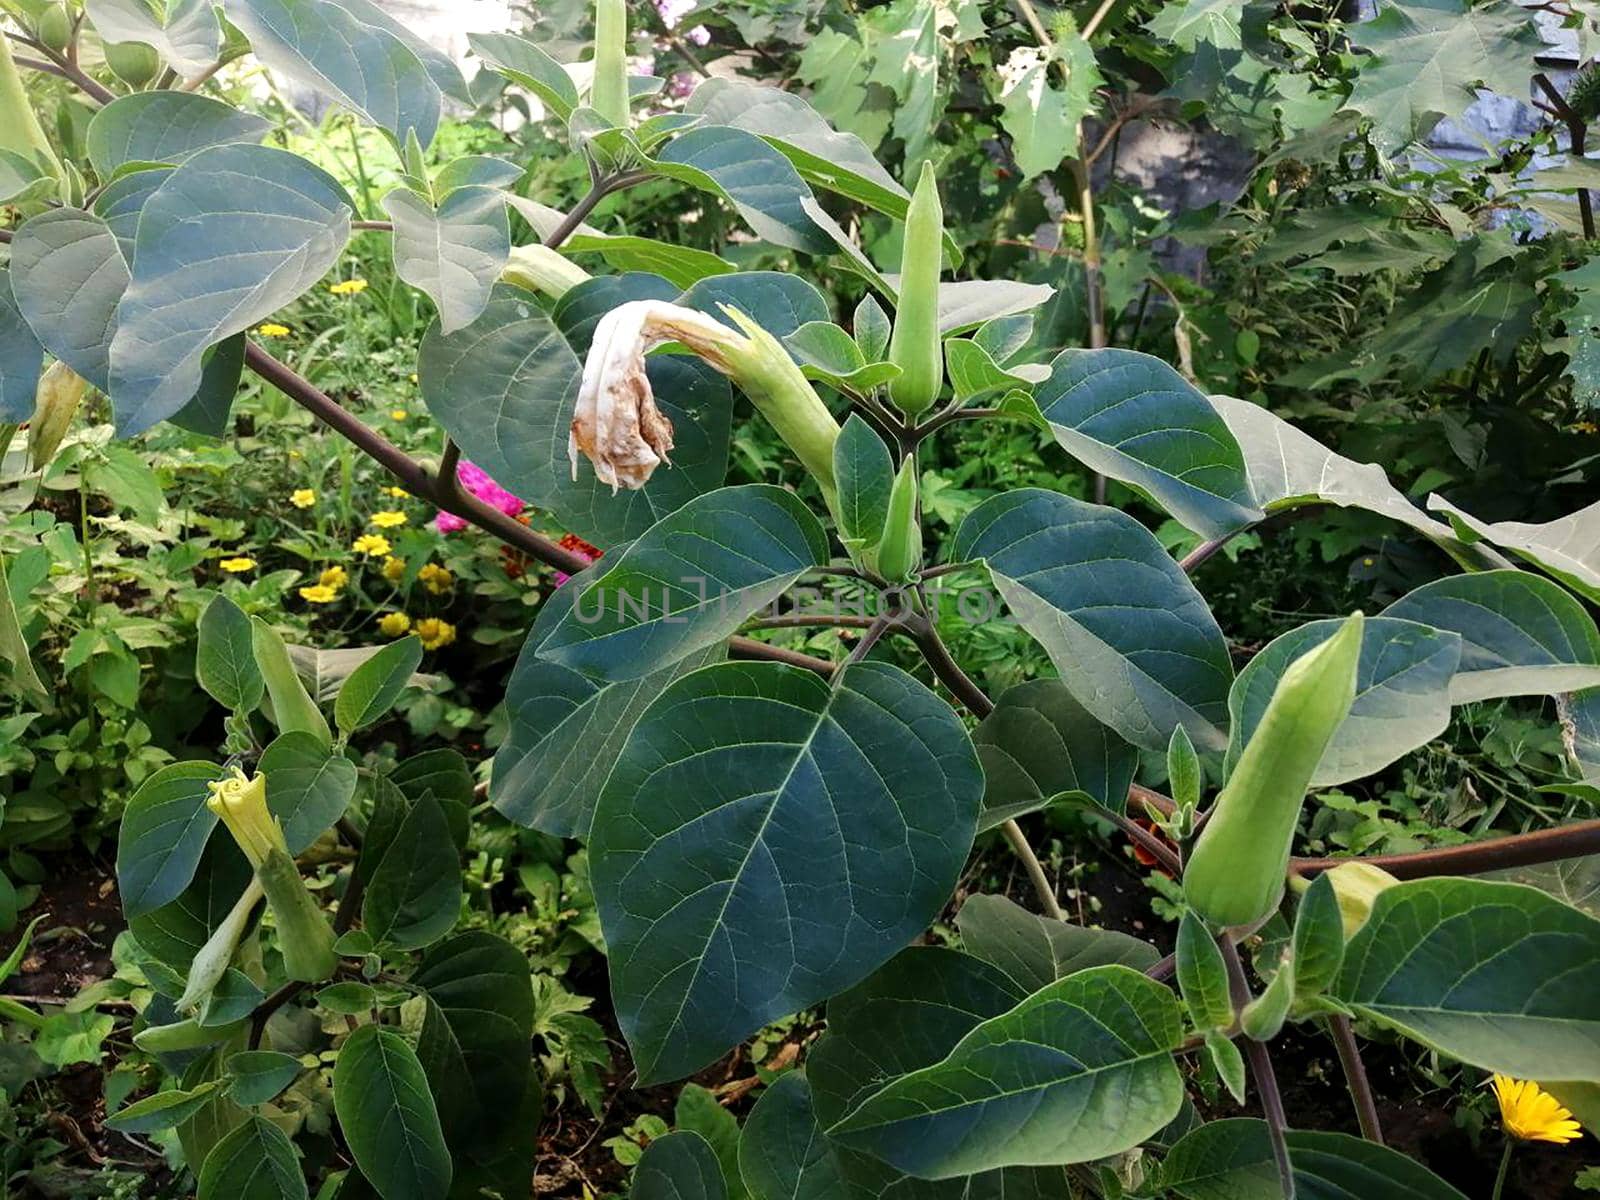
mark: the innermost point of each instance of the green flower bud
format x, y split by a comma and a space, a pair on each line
54, 27
1264, 1016
133, 62
608, 95
900, 551
540, 269
1235, 874
186, 1035
292, 706
914, 344
211, 961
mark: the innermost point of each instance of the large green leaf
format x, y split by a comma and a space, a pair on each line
964, 303
188, 37
224, 660
1567, 548
839, 162
439, 63
388, 1116
907, 1016
21, 358
1040, 744
454, 252
414, 896
474, 1043
1402, 693
174, 933
14, 647
524, 63
325, 47
565, 733
1232, 1160
680, 1166
122, 200
1134, 418
68, 278
1521, 634
1133, 639
1036, 951
308, 787
192, 286
782, 1153
684, 266
1078, 1071
164, 830
687, 583
1498, 975
165, 127
1288, 468
749, 174
1431, 56
752, 791
256, 1161
779, 302
506, 386
1042, 117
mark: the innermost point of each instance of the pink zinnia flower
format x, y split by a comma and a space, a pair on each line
571, 541
477, 481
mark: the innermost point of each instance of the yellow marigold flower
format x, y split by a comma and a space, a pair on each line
302, 497
413, 377
371, 544
394, 624
394, 569
399, 493
1533, 1115
435, 633
235, 565
272, 329
436, 579
388, 520
348, 287
398, 414
334, 577
319, 593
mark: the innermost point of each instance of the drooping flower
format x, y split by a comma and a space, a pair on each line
236, 566
334, 577
302, 497
348, 287
1532, 1114
435, 633
390, 519
272, 329
319, 594
436, 579
371, 544
394, 569
394, 624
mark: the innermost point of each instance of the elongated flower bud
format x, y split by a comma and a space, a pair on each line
1357, 886
211, 961
914, 344
304, 936
608, 95
1263, 1017
56, 402
900, 551
292, 706
619, 429
1235, 874
541, 269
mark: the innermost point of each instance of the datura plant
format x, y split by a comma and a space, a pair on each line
769, 832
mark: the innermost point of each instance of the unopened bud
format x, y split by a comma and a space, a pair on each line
1357, 886
56, 402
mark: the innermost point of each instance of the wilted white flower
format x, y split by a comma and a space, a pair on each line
617, 425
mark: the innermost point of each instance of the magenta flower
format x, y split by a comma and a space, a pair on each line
477, 481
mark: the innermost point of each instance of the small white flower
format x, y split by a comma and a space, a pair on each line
617, 425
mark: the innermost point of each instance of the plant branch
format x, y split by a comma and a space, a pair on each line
1260, 1069
1517, 850
809, 620
1577, 132
602, 186
380, 226
1355, 1074
1045, 890
1152, 845
68, 69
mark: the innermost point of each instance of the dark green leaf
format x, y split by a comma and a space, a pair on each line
1133, 639
21, 357
782, 1153
175, 932
1040, 744
225, 663
863, 473
308, 787
161, 1111
716, 795
1318, 939
752, 176
164, 830
1036, 951
260, 1075
414, 898
680, 1166
686, 583
256, 1161
698, 1111
388, 1116
376, 684
780, 303
1202, 975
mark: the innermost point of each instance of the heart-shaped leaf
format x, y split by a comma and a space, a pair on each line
164, 831
454, 252
165, 127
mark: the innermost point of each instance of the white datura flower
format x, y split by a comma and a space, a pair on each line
617, 425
